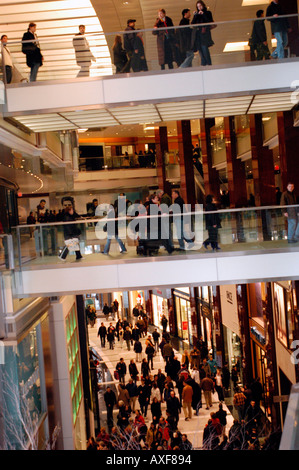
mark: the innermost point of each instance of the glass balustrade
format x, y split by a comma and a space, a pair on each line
153, 49
139, 233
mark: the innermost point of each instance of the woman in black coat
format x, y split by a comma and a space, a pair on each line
120, 58
165, 39
202, 35
71, 231
212, 224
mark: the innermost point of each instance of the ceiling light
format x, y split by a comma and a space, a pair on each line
236, 46
250, 3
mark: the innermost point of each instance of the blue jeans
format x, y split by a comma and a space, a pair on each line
282, 42
188, 61
33, 72
293, 229
108, 243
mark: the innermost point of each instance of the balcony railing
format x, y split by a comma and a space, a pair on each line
152, 49
139, 233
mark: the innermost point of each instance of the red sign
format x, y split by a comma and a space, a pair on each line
185, 325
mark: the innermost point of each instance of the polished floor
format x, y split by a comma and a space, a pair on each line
193, 428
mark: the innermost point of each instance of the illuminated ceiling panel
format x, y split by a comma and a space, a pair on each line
183, 110
57, 23
93, 118
227, 106
271, 102
136, 114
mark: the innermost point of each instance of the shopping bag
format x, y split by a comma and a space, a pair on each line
72, 244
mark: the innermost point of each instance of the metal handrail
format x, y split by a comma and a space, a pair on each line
94, 219
94, 35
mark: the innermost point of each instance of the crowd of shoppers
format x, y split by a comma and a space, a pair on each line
174, 45
144, 410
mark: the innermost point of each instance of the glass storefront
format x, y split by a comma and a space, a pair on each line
23, 392
183, 313
160, 308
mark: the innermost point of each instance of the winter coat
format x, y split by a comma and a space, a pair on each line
165, 55
259, 34
202, 35
212, 219
31, 50
277, 24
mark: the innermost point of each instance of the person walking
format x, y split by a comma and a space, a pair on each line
102, 333
71, 231
187, 394
121, 368
156, 336
212, 223
31, 48
279, 27
219, 385
150, 351
112, 231
288, 198
173, 406
138, 350
239, 401
207, 386
111, 337
138, 62
128, 337
110, 401
84, 56
133, 371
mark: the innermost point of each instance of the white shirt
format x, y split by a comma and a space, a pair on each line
6, 56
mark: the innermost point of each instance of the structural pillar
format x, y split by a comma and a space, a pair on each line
243, 315
210, 174
161, 141
288, 149
262, 164
186, 162
235, 168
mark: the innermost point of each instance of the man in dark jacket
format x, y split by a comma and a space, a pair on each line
279, 27
71, 231
185, 38
179, 220
34, 58
289, 198
173, 406
122, 370
259, 37
129, 38
110, 401
102, 333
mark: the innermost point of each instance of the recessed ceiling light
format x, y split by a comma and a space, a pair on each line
250, 3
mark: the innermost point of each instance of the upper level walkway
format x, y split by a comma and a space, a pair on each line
254, 247
234, 84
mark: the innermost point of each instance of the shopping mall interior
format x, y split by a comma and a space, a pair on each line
148, 157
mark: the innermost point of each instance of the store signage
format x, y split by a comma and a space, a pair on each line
261, 339
185, 325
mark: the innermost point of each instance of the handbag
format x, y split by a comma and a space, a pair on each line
116, 375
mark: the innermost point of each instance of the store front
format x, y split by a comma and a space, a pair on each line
160, 308
257, 301
183, 313
205, 309
231, 329
24, 392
